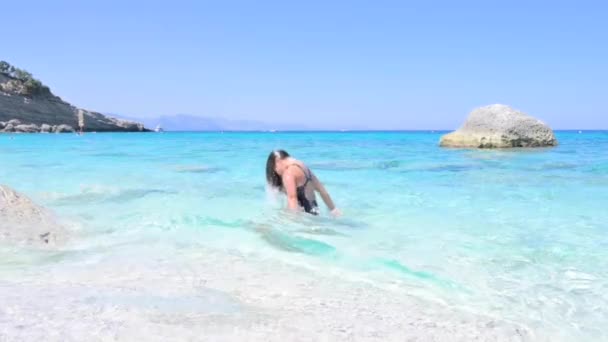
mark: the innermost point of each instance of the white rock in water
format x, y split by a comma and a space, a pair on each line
500, 126
64, 129
24, 222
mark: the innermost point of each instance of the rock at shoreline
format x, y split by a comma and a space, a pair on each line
64, 129
8, 128
44, 128
500, 126
24, 222
31, 128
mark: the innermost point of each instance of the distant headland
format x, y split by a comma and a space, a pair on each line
29, 106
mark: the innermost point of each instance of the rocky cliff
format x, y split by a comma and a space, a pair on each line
27, 105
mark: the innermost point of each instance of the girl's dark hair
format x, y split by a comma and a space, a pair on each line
272, 177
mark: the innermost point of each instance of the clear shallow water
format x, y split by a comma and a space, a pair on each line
520, 235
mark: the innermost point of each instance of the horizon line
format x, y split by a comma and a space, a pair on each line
356, 130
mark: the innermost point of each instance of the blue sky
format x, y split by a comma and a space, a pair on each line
326, 64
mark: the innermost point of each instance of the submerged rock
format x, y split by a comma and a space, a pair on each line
500, 126
24, 222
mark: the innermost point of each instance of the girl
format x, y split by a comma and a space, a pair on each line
292, 177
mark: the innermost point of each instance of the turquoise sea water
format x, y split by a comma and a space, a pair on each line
517, 234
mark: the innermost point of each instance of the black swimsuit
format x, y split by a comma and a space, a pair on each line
309, 206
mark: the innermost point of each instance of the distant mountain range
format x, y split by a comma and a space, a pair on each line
27, 105
189, 122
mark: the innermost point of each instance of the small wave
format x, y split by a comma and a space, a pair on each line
353, 166
92, 196
553, 166
290, 243
197, 169
205, 221
391, 164
578, 282
38, 165
339, 166
444, 168
598, 168
564, 151
453, 168
321, 231
422, 275
109, 154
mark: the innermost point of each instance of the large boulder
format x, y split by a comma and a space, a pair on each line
24, 222
500, 126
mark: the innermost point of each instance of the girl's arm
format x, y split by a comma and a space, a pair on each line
324, 195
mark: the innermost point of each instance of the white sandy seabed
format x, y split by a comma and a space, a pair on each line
154, 293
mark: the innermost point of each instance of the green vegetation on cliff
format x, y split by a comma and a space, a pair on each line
22, 80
